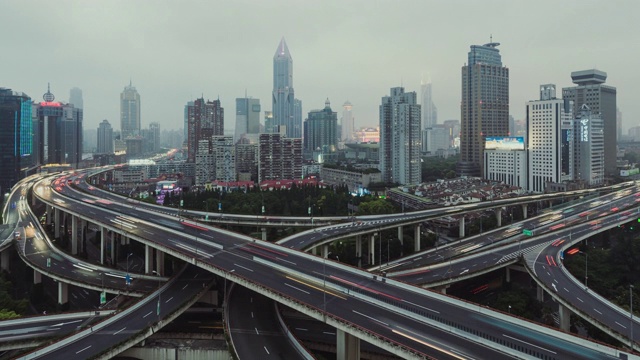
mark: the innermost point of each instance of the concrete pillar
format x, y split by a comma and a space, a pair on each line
83, 235
148, 259
57, 224
314, 250
74, 235
123, 240
416, 236
524, 211
49, 212
347, 346
499, 216
508, 276
372, 250
442, 289
37, 277
63, 293
461, 225
113, 248
539, 293
359, 249
264, 234
5, 260
565, 317
325, 251
159, 262
33, 198
103, 236
400, 235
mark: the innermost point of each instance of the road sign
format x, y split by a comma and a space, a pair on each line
48, 262
103, 298
527, 232
127, 279
219, 206
158, 308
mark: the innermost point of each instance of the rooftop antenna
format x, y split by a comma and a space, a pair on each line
490, 38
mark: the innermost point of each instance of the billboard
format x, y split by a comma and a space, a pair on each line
504, 143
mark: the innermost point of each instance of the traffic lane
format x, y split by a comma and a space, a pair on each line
184, 288
46, 327
255, 329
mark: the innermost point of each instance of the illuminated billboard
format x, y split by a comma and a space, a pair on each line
504, 143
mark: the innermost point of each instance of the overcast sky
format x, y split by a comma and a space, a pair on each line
175, 51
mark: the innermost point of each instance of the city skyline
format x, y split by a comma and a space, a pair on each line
335, 62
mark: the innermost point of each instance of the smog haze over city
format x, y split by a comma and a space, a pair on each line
174, 52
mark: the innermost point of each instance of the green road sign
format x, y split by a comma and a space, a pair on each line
103, 298
158, 308
527, 232
48, 262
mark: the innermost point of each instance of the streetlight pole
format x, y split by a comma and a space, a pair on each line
631, 341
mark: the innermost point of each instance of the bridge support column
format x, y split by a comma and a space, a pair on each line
325, 251
103, 236
314, 250
148, 259
264, 234
359, 249
83, 234
372, 250
461, 225
56, 220
539, 293
400, 235
347, 346
499, 216
63, 293
508, 276
159, 262
5, 260
416, 238
37, 277
442, 289
49, 212
74, 235
565, 317
524, 211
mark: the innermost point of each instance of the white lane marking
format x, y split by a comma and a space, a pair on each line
257, 330
79, 351
328, 333
119, 331
302, 329
290, 262
579, 299
420, 306
171, 298
148, 232
265, 349
149, 313
621, 325
252, 314
240, 266
370, 318
530, 344
291, 286
554, 287
184, 287
598, 311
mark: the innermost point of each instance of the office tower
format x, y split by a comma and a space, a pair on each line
16, 145
269, 123
105, 138
247, 117
505, 160
283, 95
484, 107
129, 112
57, 132
619, 123
400, 139
347, 123
453, 127
590, 149
429, 109
321, 133
297, 118
205, 119
601, 99
205, 163
246, 160
437, 138
154, 137
549, 140
185, 129
280, 158
75, 98
225, 158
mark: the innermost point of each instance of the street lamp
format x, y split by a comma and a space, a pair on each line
509, 309
206, 203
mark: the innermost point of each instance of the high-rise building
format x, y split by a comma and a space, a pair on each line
429, 109
246, 160
505, 160
280, 158
205, 119
269, 123
347, 124
105, 138
549, 140
283, 98
297, 118
247, 117
400, 140
57, 132
16, 145
154, 137
321, 133
130, 112
185, 129
225, 158
484, 107
601, 99
75, 98
205, 163
619, 123
590, 149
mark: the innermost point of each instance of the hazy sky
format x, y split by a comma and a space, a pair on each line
175, 51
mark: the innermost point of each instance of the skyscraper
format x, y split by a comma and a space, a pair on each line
154, 137
400, 138
75, 98
429, 109
601, 99
15, 137
129, 112
297, 118
321, 132
347, 123
283, 94
590, 147
484, 107
280, 158
205, 119
247, 117
105, 138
